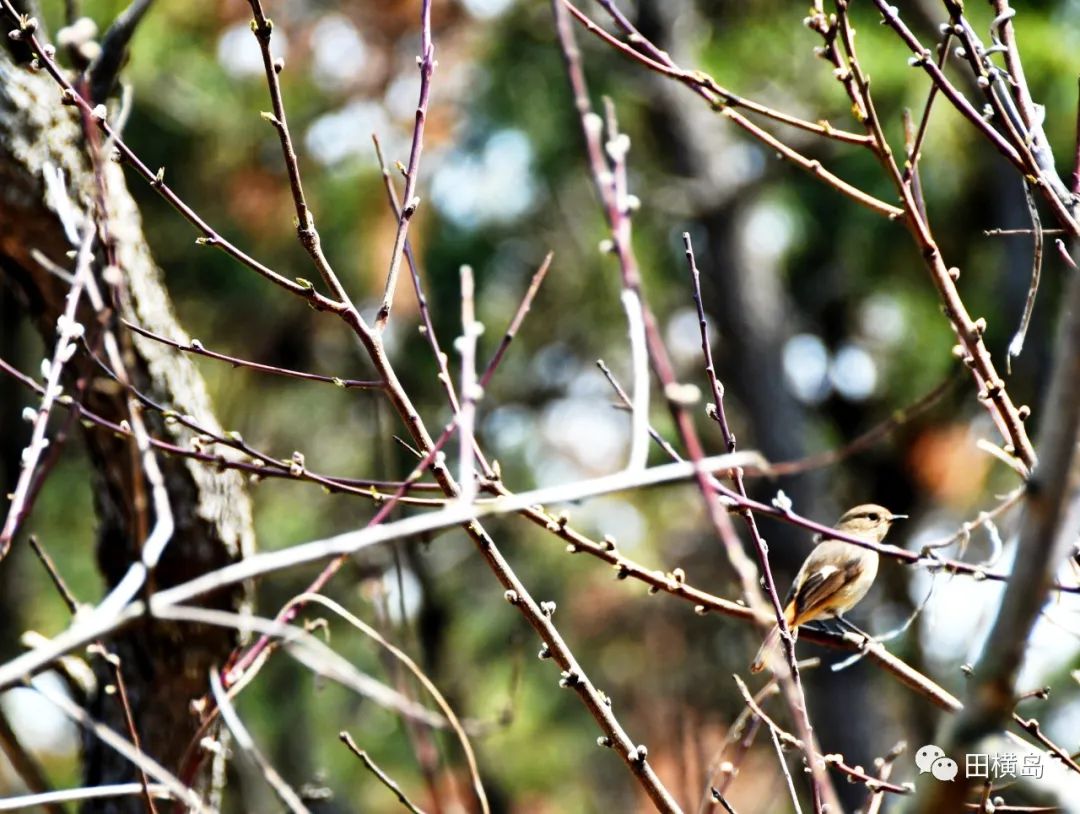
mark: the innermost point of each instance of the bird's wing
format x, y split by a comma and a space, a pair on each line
812, 600
815, 591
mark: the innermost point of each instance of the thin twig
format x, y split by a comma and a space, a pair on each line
785, 771
154, 519
608, 166
124, 747
263, 28
382, 776
426, 63
884, 765
1016, 346
718, 796
898, 419
742, 733
820, 788
707, 87
247, 745
1002, 30
1052, 188
156, 180
1047, 533
914, 149
1033, 728
129, 722
427, 327
1011, 232
265, 466
429, 685
812, 166
659, 439
755, 707
969, 332
69, 330
311, 652
639, 405
50, 800
54, 574
517, 319
195, 347
470, 390
857, 775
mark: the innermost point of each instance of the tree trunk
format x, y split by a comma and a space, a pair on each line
165, 665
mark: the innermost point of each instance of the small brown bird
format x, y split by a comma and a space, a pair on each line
835, 576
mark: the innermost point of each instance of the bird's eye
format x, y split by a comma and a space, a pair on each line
873, 517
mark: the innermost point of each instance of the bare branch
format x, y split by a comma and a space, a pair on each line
427, 64
382, 776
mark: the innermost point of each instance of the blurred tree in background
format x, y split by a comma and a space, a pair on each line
823, 318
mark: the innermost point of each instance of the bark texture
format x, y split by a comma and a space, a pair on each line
165, 665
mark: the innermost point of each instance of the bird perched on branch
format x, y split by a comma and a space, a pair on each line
835, 576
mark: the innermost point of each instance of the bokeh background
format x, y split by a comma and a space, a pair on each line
824, 324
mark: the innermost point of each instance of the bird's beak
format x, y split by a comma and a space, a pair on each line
897, 517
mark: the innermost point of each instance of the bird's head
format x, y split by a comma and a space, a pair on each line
869, 521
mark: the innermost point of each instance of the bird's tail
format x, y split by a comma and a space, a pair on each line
768, 647
758, 664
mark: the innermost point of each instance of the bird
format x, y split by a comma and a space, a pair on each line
835, 576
